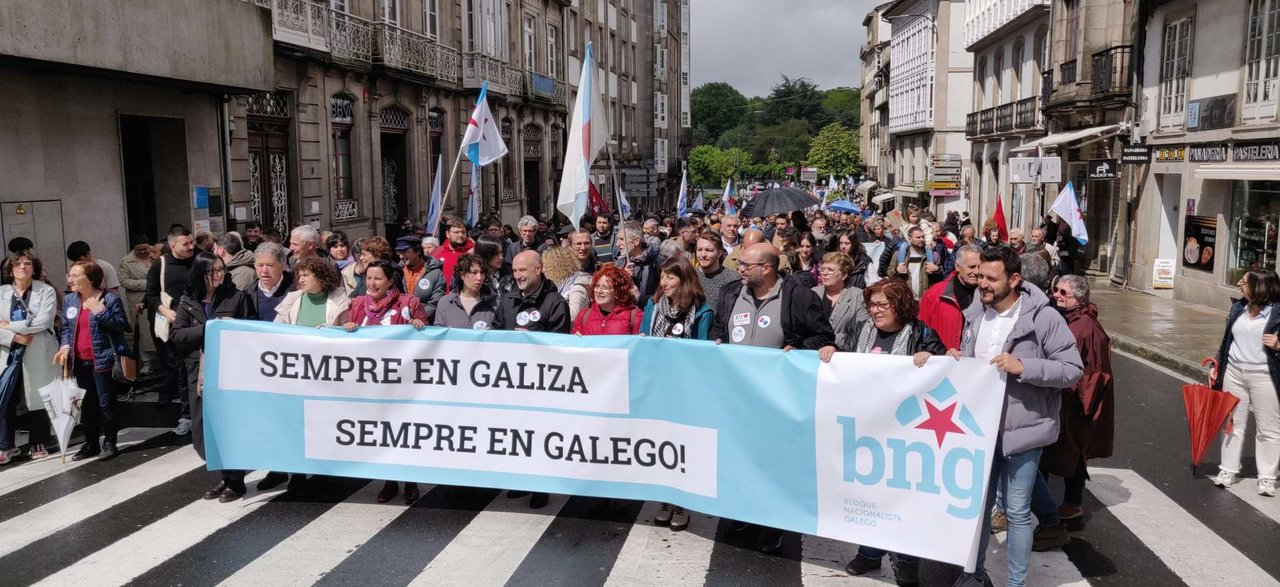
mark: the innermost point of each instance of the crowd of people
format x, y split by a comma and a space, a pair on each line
904, 284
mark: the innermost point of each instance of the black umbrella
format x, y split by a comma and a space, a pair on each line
778, 201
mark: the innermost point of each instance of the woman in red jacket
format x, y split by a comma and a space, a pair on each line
383, 305
613, 305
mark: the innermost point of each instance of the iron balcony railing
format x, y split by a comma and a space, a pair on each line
546, 88
314, 26
1022, 115
1069, 72
1027, 115
478, 68
1046, 86
987, 121
971, 124
350, 38
406, 50
1004, 117
1111, 70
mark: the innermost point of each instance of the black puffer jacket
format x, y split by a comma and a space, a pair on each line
544, 311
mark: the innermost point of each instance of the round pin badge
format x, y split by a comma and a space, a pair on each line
72, 313
404, 312
677, 329
535, 316
738, 334
763, 322
522, 318
481, 325
424, 283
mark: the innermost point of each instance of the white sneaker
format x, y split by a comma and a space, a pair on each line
663, 517
183, 428
1225, 479
1267, 487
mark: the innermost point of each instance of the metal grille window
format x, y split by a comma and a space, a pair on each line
1175, 64
274, 104
393, 118
1262, 60
553, 51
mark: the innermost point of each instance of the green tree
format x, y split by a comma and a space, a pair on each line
715, 108
704, 160
844, 105
834, 151
793, 99
787, 141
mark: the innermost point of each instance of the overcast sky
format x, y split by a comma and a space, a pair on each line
750, 43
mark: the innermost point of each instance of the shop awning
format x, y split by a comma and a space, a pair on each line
882, 197
1060, 139
866, 186
1239, 171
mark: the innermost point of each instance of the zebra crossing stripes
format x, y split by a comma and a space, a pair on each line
1247, 491
15, 478
1197, 554
492, 546
42, 521
822, 563
309, 553
654, 555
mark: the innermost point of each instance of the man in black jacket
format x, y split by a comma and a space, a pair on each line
535, 305
762, 299
162, 299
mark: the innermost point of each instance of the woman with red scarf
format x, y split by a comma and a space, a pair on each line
383, 305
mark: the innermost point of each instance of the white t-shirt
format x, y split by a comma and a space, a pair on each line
994, 330
110, 280
1246, 349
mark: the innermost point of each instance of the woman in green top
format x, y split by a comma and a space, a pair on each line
318, 301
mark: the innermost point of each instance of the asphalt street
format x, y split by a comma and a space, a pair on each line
139, 520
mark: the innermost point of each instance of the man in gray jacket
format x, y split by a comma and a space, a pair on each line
1012, 326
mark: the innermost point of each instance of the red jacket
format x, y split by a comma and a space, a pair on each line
592, 321
449, 256
401, 309
940, 311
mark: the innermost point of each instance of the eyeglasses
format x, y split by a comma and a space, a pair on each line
603, 288
877, 305
749, 266
1064, 293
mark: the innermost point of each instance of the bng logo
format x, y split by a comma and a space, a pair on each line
920, 461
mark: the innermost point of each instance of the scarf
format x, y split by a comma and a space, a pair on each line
867, 339
667, 317
374, 314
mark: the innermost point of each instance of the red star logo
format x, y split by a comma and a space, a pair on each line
940, 422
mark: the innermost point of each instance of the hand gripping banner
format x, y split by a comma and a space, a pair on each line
867, 449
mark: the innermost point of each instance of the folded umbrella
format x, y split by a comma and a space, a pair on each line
778, 201
1207, 409
61, 400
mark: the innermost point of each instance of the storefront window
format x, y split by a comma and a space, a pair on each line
1255, 214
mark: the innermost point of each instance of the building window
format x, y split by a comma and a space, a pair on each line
659, 110
1262, 60
431, 18
484, 27
1255, 219
390, 11
1071, 30
660, 62
1175, 61
339, 5
553, 51
997, 79
1017, 63
530, 48
980, 88
341, 115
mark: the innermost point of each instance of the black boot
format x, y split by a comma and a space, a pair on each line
108, 451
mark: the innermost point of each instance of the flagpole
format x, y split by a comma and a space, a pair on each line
617, 186
448, 188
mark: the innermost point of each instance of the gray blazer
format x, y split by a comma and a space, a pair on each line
846, 314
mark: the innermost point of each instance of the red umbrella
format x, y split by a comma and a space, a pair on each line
1207, 409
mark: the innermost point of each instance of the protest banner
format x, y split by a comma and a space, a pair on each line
867, 448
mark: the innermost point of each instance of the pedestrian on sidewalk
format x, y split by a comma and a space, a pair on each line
382, 305
210, 296
28, 308
1012, 326
1249, 368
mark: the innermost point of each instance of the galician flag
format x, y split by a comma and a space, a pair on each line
831, 182
1067, 207
473, 197
437, 199
682, 204
624, 205
698, 204
483, 143
730, 204
588, 134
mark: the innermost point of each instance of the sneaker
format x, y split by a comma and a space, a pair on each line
1067, 512
1267, 487
679, 519
1225, 479
183, 428
1050, 537
665, 511
861, 565
39, 452
6, 457
999, 523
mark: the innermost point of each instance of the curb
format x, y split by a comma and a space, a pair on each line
1155, 355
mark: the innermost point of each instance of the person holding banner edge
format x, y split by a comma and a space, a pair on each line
1013, 326
534, 305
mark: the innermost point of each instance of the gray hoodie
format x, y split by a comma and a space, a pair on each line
240, 267
1050, 364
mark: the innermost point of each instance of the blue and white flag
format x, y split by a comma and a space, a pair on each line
1067, 207
473, 196
904, 468
483, 142
682, 204
436, 205
624, 205
730, 203
588, 134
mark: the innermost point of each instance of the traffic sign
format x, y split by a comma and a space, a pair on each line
1103, 169
1026, 170
947, 163
944, 172
1137, 154
945, 157
919, 186
944, 185
936, 193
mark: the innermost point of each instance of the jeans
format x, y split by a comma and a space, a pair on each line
1018, 473
1257, 394
98, 413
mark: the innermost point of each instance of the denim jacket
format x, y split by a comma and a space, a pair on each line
106, 330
